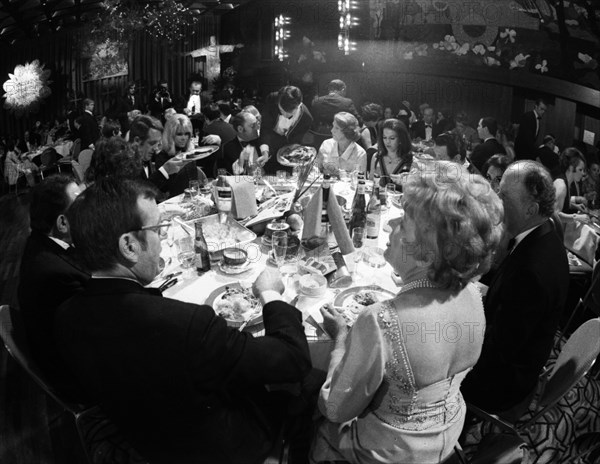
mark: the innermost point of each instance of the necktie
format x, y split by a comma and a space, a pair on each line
244, 144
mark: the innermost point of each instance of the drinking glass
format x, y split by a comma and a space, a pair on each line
185, 253
194, 186
279, 243
358, 240
281, 176
390, 190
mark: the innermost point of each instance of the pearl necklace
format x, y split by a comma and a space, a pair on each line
420, 283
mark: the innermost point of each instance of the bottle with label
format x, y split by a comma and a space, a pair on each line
224, 197
374, 214
359, 204
202, 259
326, 187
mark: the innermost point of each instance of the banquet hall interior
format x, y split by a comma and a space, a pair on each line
523, 74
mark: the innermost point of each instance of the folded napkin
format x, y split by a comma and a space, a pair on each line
243, 194
312, 220
582, 240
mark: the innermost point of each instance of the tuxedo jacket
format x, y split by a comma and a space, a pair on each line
49, 275
179, 383
270, 114
222, 129
484, 151
522, 310
232, 151
418, 130
122, 105
525, 142
89, 131
324, 108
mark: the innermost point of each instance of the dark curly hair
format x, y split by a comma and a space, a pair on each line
114, 157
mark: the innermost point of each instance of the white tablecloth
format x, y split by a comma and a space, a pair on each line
196, 289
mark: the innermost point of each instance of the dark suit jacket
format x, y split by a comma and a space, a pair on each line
324, 108
525, 146
550, 159
89, 131
522, 310
121, 106
231, 152
48, 276
418, 130
484, 151
222, 129
181, 385
270, 114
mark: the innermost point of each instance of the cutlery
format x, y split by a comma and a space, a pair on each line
268, 184
187, 228
171, 275
249, 318
168, 284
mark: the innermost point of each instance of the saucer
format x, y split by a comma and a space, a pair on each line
232, 270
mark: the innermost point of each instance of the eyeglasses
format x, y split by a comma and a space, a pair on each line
161, 228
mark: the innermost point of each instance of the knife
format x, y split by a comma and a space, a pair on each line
168, 284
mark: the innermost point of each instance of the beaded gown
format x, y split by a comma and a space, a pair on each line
375, 413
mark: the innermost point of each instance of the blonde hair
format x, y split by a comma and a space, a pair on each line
458, 220
176, 122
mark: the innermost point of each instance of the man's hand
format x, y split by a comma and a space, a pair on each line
187, 111
333, 322
262, 160
173, 166
211, 140
268, 286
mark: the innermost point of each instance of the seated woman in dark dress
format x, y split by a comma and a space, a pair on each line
394, 156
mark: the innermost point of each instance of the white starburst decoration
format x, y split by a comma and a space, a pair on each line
26, 87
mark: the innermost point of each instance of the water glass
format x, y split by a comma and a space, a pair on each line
281, 176
185, 252
358, 240
194, 186
279, 243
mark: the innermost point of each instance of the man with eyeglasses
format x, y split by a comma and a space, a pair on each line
179, 383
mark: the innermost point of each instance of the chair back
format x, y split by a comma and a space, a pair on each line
574, 361
85, 158
78, 172
591, 300
11, 332
49, 157
76, 149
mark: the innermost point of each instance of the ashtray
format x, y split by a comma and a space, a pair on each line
312, 284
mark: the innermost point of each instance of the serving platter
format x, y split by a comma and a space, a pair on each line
296, 155
198, 153
235, 303
353, 301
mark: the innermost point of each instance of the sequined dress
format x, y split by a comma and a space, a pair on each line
376, 412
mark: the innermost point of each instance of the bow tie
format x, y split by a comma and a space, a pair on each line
538, 118
244, 144
428, 125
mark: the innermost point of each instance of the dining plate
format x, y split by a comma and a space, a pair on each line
234, 303
233, 270
353, 301
198, 153
295, 155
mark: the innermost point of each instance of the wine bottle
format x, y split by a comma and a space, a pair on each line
374, 214
202, 258
326, 187
359, 216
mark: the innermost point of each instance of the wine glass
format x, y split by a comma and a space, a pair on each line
194, 186
390, 191
279, 243
358, 240
185, 253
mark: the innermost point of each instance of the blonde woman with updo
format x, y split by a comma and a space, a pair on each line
341, 152
392, 393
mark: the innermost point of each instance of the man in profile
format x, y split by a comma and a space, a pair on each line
326, 107
487, 130
49, 273
179, 383
525, 298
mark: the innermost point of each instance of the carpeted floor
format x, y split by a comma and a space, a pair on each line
556, 437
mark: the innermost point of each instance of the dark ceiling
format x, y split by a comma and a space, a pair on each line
31, 19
